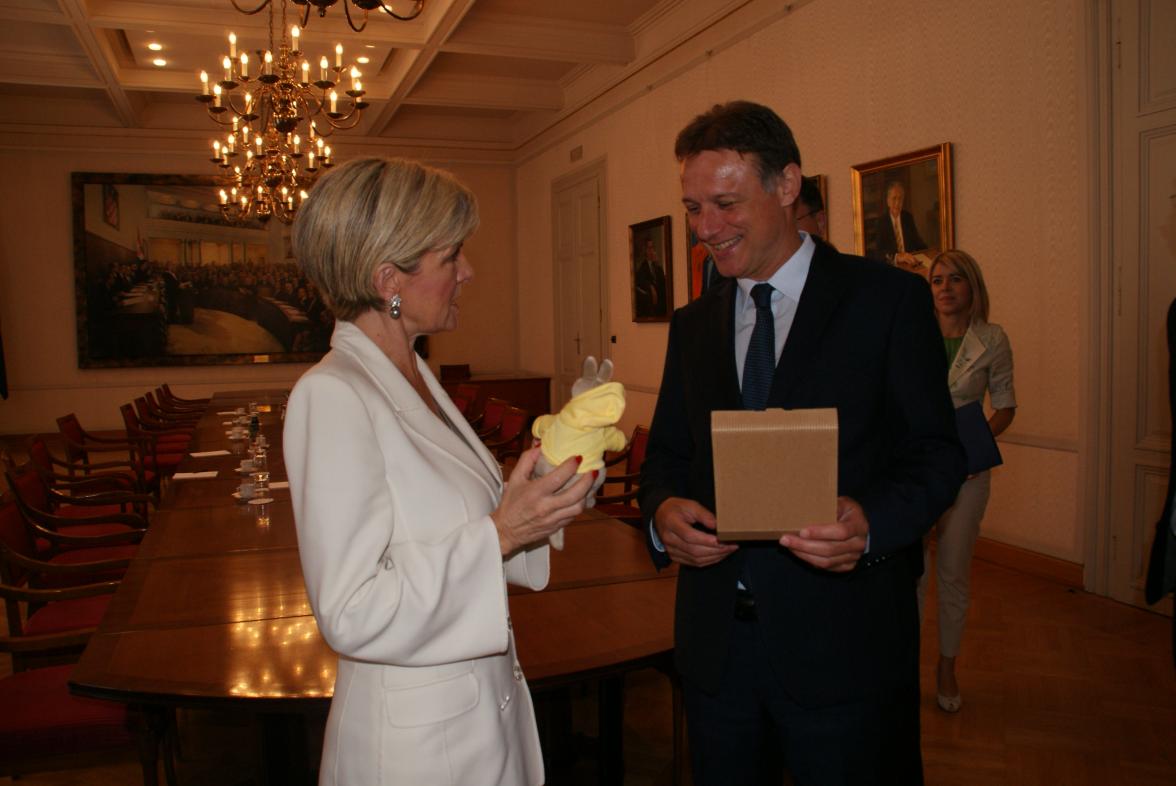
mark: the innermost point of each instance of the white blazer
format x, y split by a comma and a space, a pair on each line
984, 362
405, 576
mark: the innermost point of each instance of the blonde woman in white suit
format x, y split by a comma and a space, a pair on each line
405, 528
980, 360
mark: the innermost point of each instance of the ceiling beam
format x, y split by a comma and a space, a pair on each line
409, 66
102, 58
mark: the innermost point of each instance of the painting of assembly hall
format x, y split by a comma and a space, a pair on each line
163, 279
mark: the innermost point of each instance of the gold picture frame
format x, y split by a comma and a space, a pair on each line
902, 208
651, 270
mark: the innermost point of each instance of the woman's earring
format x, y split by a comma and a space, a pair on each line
394, 306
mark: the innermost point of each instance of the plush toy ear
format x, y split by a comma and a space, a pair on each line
589, 369
605, 372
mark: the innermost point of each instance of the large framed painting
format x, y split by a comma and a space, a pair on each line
902, 208
172, 283
652, 269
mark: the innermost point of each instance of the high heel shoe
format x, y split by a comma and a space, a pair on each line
949, 703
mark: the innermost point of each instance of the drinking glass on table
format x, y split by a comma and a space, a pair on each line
261, 473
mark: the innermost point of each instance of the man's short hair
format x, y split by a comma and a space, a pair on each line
746, 128
810, 195
893, 184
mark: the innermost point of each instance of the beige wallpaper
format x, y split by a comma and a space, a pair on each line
859, 80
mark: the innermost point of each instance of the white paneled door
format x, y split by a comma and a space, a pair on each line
578, 234
1143, 84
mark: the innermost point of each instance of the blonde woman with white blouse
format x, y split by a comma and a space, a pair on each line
980, 360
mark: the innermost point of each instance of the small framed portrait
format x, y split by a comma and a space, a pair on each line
902, 208
811, 215
652, 270
110, 204
701, 272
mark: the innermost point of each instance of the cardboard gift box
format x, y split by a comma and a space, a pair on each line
775, 471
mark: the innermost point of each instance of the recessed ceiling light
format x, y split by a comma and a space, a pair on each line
159, 61
370, 46
363, 60
154, 47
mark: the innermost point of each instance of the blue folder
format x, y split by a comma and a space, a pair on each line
976, 436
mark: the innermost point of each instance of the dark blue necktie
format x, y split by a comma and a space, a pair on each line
760, 363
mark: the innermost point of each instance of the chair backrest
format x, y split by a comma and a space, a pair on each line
75, 437
493, 413
28, 485
143, 410
39, 455
514, 422
637, 444
15, 537
130, 420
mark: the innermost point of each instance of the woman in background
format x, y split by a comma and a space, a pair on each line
405, 529
979, 360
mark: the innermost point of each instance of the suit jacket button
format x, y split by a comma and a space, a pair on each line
388, 565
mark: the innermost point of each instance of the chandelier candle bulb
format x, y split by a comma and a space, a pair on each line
338, 55
228, 64
323, 68
216, 95
244, 66
305, 72
216, 153
294, 33
269, 62
204, 82
334, 102
297, 142
232, 44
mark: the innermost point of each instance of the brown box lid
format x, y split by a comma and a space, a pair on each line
775, 471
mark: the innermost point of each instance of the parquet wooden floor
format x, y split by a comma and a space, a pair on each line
1061, 688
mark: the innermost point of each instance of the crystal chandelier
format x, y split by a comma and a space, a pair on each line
387, 6
275, 148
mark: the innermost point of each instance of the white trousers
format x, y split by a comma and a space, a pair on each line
955, 534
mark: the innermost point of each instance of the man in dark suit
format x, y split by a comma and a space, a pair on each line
1161, 569
895, 235
805, 650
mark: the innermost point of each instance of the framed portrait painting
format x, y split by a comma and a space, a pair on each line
171, 282
902, 208
651, 270
701, 272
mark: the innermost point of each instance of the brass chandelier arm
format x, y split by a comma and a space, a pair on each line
350, 23
417, 7
246, 11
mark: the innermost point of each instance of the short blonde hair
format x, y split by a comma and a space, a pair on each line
373, 210
970, 269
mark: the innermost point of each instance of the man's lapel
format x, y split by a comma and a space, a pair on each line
720, 345
818, 301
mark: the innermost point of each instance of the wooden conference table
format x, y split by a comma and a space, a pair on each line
213, 612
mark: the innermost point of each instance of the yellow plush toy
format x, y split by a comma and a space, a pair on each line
584, 427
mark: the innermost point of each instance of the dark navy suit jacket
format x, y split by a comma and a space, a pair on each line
865, 341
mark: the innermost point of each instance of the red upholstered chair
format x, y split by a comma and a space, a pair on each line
160, 401
171, 397
62, 496
511, 436
109, 536
79, 444
155, 454
150, 412
462, 403
492, 415
76, 478
621, 502
21, 564
470, 393
43, 726
170, 431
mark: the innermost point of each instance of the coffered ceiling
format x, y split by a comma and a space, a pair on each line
489, 74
